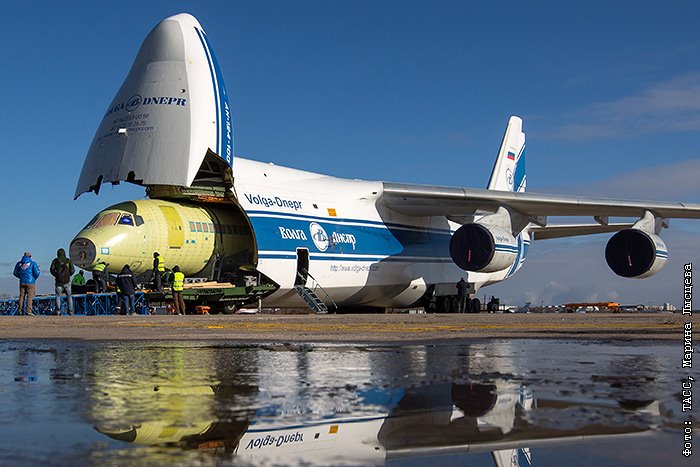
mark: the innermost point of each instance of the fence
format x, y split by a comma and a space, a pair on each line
91, 304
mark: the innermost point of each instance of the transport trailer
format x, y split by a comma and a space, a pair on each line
220, 297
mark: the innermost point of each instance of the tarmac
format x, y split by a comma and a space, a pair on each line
395, 328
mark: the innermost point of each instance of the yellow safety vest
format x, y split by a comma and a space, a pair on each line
161, 265
99, 267
178, 282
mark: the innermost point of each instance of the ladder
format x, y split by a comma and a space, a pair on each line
308, 294
311, 299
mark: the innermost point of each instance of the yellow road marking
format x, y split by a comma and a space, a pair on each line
407, 328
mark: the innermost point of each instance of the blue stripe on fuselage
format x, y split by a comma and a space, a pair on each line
282, 234
341, 220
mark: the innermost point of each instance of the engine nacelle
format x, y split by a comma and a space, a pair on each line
482, 248
635, 253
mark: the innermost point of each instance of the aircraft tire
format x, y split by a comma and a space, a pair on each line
229, 309
445, 305
474, 305
226, 308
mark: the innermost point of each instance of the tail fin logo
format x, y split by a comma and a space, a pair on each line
133, 103
511, 155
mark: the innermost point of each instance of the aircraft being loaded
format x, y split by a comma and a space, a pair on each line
367, 243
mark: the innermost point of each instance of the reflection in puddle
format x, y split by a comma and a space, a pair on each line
493, 403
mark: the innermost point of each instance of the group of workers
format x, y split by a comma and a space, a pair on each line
62, 269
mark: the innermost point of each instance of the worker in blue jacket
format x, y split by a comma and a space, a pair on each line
27, 271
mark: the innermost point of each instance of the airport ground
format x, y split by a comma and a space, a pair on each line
397, 328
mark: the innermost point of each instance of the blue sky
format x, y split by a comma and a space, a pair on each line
394, 90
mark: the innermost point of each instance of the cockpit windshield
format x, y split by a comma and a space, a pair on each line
114, 218
104, 220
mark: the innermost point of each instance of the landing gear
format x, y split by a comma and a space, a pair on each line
447, 305
474, 305
226, 308
229, 308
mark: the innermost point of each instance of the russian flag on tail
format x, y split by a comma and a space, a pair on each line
511, 155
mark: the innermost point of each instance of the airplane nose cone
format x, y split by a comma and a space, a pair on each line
168, 40
82, 252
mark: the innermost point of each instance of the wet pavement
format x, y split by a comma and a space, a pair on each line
549, 401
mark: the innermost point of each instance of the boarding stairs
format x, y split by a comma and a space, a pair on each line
311, 299
309, 295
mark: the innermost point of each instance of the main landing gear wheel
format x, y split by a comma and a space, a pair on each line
474, 305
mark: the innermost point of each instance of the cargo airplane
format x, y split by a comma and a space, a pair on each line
366, 243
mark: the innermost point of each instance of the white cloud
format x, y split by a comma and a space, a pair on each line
669, 106
676, 181
559, 271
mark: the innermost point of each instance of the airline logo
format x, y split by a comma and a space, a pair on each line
292, 234
323, 241
511, 155
338, 238
136, 101
269, 202
509, 177
275, 441
319, 236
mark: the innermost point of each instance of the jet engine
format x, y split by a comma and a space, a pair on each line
636, 253
483, 248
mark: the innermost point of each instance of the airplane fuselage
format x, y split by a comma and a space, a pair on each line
293, 226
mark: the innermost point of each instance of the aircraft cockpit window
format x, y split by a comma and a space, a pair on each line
126, 219
105, 220
89, 224
138, 220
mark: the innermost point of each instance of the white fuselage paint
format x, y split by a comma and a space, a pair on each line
360, 252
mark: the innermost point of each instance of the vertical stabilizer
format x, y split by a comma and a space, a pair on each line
170, 111
509, 170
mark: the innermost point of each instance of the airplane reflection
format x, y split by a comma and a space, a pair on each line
501, 417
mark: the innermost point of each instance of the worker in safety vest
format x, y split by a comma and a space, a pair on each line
98, 275
177, 287
158, 270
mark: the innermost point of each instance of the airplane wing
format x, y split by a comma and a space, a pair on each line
424, 200
493, 219
573, 230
